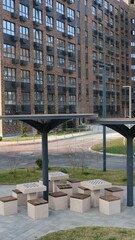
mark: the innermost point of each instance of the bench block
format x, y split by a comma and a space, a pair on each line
115, 191
109, 205
37, 209
8, 205
58, 200
74, 183
66, 188
21, 198
84, 190
80, 202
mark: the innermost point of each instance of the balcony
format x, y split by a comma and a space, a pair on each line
36, 23
11, 85
72, 90
65, 34
36, 3
38, 45
15, 61
23, 19
15, 38
25, 86
24, 40
50, 88
48, 9
49, 48
37, 65
61, 89
26, 109
49, 67
14, 15
72, 108
62, 108
12, 109
39, 87
39, 109
51, 108
23, 62
49, 28
63, 16
70, 36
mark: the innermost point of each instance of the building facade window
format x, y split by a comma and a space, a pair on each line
9, 5
25, 76
72, 100
24, 32
71, 30
38, 77
60, 62
49, 21
24, 11
9, 74
25, 98
49, 40
71, 47
50, 79
60, 44
49, 3
37, 36
10, 98
70, 13
72, 82
37, 15
71, 65
8, 27
50, 60
38, 56
59, 8
9, 51
60, 26
38, 97
61, 81
25, 54
93, 10
61, 99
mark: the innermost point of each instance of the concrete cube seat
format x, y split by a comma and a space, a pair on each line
115, 191
21, 197
8, 205
74, 183
84, 190
66, 188
109, 204
80, 202
37, 208
58, 200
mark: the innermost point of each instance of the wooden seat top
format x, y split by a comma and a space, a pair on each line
7, 199
80, 196
114, 189
109, 198
36, 202
57, 194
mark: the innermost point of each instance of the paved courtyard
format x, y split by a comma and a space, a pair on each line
21, 227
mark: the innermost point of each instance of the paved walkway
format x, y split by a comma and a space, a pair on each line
21, 227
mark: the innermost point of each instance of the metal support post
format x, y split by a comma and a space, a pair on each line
129, 171
104, 116
45, 163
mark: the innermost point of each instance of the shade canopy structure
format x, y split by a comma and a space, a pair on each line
126, 127
44, 123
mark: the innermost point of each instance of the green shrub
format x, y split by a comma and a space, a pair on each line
0, 138
64, 170
39, 162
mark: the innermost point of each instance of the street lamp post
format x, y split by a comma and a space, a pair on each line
130, 100
104, 66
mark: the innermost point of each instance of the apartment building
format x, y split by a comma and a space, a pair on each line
56, 55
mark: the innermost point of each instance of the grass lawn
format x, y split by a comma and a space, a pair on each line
117, 146
92, 233
15, 176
